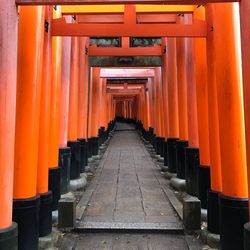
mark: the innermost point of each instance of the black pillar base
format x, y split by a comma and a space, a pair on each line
213, 218
165, 153
158, 145
180, 158
86, 154
162, 140
154, 140
233, 216
191, 170
64, 163
45, 214
55, 186
95, 145
75, 164
246, 236
82, 154
90, 147
8, 237
204, 184
171, 149
26, 215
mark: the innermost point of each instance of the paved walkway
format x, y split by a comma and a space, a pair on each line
127, 193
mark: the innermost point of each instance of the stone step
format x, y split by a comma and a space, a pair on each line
143, 227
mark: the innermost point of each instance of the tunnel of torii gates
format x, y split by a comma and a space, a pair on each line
60, 95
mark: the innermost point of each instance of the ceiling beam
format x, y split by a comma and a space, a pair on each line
61, 28
119, 18
126, 73
124, 91
88, 2
131, 51
119, 9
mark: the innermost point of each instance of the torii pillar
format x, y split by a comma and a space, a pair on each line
172, 89
83, 101
45, 217
73, 143
182, 105
202, 111
29, 79
214, 139
192, 151
234, 197
64, 150
55, 170
8, 74
245, 46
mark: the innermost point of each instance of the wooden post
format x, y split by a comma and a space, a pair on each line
245, 47
55, 171
214, 140
200, 57
182, 105
64, 151
234, 197
73, 143
29, 79
192, 152
172, 89
8, 69
45, 218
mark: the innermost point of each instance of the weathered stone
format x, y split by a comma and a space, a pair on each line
191, 214
67, 213
178, 184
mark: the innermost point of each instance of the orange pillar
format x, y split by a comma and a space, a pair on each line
202, 111
148, 107
54, 171
245, 44
159, 144
73, 143
83, 89
214, 140
192, 152
8, 68
29, 79
64, 151
182, 104
103, 103
103, 111
165, 87
94, 108
234, 197
83, 101
45, 218
172, 90
73, 91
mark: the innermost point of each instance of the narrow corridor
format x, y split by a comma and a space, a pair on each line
128, 188
126, 205
124, 124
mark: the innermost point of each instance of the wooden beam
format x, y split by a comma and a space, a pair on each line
126, 73
131, 51
61, 28
122, 85
118, 18
119, 9
88, 2
124, 91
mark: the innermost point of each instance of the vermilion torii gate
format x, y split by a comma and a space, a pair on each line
228, 156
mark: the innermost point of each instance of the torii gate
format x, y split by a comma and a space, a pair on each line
8, 20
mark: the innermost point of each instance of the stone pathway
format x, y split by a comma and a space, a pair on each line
126, 205
127, 191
